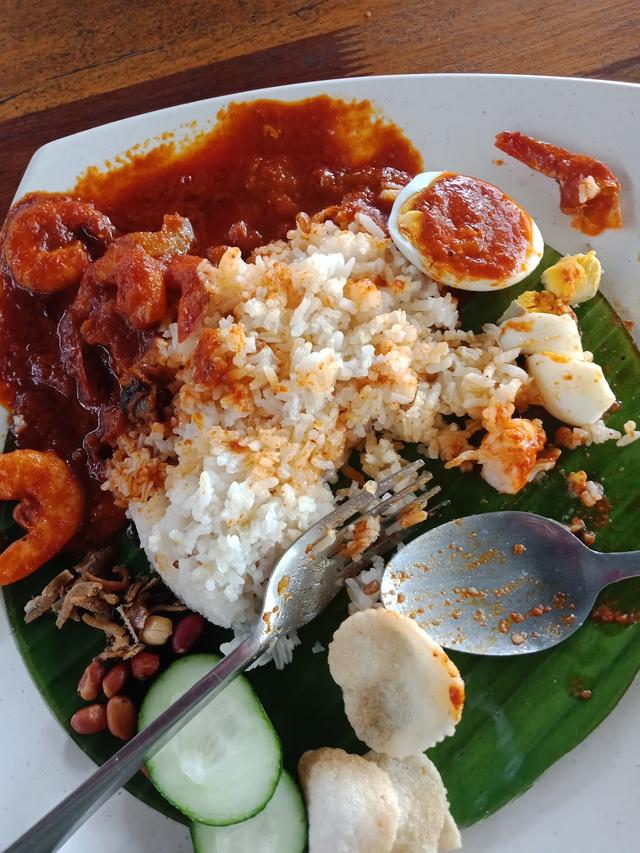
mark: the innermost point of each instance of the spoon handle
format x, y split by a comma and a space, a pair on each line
617, 566
62, 821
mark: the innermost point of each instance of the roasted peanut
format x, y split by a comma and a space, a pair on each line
89, 720
91, 681
156, 630
187, 633
145, 665
115, 679
121, 717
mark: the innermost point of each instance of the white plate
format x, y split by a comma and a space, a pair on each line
588, 800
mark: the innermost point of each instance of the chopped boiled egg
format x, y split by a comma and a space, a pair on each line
575, 278
572, 390
534, 332
543, 327
464, 232
544, 302
536, 302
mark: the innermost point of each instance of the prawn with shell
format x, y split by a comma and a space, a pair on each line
118, 289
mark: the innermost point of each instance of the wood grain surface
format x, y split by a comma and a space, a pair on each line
66, 65
332, 54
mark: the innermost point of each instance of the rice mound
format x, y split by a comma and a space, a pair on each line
326, 341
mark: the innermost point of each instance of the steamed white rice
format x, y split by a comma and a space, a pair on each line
327, 341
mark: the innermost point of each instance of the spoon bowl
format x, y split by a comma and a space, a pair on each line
500, 583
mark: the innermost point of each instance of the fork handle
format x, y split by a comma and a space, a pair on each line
49, 833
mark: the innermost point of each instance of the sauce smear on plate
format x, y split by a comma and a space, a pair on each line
264, 162
589, 191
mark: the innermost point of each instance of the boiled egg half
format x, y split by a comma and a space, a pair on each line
464, 232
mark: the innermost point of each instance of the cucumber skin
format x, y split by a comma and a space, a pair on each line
304, 846
212, 660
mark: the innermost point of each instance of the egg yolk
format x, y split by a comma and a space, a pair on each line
467, 227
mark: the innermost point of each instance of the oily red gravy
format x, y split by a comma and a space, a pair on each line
240, 184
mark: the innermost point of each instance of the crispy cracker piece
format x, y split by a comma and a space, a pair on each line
426, 825
351, 804
401, 692
450, 836
422, 799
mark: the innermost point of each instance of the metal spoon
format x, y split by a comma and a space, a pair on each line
500, 583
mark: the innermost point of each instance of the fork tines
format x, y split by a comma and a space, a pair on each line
394, 479
397, 514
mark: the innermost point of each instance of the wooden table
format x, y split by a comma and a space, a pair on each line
66, 65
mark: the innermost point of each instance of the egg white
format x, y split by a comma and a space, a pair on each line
536, 332
452, 279
573, 391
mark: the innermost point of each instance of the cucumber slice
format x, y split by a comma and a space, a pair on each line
281, 827
223, 767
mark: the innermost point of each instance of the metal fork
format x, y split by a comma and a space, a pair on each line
303, 582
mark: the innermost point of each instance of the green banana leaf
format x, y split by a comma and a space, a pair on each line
521, 714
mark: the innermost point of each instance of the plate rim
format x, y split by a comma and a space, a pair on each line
301, 88
254, 94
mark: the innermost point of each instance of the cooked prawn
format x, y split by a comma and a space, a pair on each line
135, 264
189, 275
174, 238
45, 241
508, 453
138, 281
50, 509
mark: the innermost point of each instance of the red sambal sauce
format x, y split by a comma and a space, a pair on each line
470, 227
264, 162
589, 191
607, 613
37, 387
240, 184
